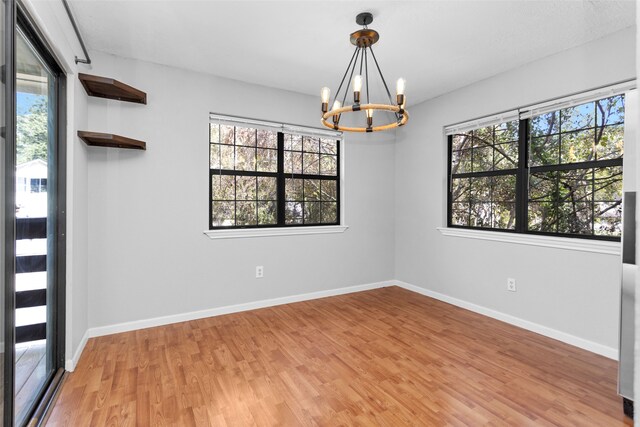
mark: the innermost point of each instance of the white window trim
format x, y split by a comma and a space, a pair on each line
275, 231
567, 243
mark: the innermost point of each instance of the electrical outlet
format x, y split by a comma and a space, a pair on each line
259, 272
511, 284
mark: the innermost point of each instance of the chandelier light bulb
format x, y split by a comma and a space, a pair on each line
336, 117
325, 92
369, 112
400, 86
357, 83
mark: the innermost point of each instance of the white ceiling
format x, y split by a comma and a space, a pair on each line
437, 46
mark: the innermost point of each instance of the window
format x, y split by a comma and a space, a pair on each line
557, 173
272, 178
38, 185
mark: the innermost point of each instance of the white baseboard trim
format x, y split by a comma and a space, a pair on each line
70, 364
184, 317
603, 350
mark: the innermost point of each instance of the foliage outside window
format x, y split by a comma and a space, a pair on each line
267, 178
557, 173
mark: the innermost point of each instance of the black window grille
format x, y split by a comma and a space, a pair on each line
267, 178
558, 173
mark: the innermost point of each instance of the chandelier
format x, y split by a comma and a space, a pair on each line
363, 40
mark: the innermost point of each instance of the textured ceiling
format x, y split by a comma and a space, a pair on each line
438, 46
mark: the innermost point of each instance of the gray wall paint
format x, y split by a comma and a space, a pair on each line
148, 209
573, 292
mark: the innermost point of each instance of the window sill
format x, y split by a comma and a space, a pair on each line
271, 232
568, 243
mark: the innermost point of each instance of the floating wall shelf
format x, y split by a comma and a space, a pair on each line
104, 87
96, 139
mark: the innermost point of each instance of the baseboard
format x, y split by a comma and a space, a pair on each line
603, 350
184, 317
70, 364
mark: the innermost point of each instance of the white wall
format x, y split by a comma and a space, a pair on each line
576, 293
56, 28
148, 256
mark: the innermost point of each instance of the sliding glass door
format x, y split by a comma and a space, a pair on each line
33, 215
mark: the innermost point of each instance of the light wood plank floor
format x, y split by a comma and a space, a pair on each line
385, 357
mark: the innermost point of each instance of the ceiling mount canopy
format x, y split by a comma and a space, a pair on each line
363, 40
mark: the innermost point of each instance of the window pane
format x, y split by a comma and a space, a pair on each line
245, 188
460, 214
481, 189
293, 213
610, 142
328, 146
226, 152
608, 184
575, 186
578, 117
577, 146
311, 163
503, 215
223, 187
328, 165
226, 134
329, 190
267, 160
214, 133
482, 159
293, 142
267, 139
544, 150
311, 189
293, 189
222, 214
483, 137
246, 213
608, 219
461, 190
292, 162
245, 159
461, 161
267, 188
267, 213
506, 156
610, 111
543, 216
575, 218
480, 215
506, 132
503, 188
312, 212
245, 136
543, 186
311, 145
461, 141
545, 124
329, 213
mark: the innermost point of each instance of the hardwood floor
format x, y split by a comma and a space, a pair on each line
385, 357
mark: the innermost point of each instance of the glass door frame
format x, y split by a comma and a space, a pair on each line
17, 16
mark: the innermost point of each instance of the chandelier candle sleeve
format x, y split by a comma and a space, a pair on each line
392, 112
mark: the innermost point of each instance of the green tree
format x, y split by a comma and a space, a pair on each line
32, 133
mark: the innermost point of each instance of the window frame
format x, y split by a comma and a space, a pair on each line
281, 177
523, 173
